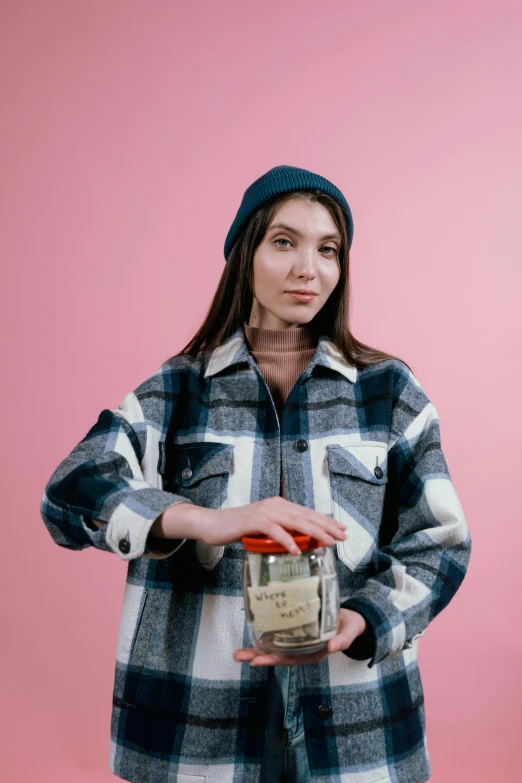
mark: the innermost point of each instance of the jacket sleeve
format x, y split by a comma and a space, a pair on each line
427, 547
113, 475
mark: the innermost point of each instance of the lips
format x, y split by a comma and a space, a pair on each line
299, 297
303, 291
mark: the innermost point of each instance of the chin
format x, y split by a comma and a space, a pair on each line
298, 317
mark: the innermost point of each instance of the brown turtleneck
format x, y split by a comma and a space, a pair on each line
281, 355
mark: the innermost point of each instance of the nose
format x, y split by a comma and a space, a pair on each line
305, 263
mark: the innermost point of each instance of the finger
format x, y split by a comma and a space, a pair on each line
278, 533
289, 660
246, 654
345, 636
328, 523
273, 660
293, 521
321, 524
257, 659
299, 523
277, 523
311, 657
333, 526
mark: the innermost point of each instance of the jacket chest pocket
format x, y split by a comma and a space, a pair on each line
199, 472
358, 476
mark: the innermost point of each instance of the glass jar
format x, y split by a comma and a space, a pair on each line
291, 601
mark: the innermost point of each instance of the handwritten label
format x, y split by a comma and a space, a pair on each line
279, 606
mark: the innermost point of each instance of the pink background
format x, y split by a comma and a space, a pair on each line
129, 134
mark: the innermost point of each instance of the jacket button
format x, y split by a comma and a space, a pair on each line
186, 473
124, 546
324, 711
378, 472
301, 445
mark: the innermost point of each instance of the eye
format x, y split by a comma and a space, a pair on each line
333, 249
282, 239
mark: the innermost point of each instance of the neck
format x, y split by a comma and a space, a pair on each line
301, 338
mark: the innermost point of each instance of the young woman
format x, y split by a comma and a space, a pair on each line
273, 418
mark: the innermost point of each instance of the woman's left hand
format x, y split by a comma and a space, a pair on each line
351, 625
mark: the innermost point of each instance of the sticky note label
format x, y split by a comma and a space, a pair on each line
280, 606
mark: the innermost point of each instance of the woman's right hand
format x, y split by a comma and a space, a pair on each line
269, 517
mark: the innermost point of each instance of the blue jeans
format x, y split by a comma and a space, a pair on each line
285, 759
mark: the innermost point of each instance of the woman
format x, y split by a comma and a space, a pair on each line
272, 418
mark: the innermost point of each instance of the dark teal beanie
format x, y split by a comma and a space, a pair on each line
282, 179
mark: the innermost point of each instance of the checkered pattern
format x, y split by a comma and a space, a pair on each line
206, 431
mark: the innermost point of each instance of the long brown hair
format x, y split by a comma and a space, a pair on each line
232, 302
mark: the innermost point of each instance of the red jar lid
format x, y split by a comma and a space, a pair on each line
265, 545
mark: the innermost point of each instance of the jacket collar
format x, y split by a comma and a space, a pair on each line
235, 351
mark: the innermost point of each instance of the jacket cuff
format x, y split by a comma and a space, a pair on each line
96, 535
386, 624
155, 548
363, 647
130, 522
160, 548
59, 517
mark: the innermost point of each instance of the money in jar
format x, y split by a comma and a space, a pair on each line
291, 601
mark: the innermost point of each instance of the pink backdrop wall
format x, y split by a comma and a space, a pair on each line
129, 133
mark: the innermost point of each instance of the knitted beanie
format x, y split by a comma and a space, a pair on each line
282, 179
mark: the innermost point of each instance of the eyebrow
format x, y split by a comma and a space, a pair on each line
299, 234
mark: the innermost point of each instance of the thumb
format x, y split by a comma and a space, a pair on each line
349, 629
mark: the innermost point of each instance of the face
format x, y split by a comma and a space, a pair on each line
299, 252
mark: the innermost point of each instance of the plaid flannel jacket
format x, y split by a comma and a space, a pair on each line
206, 431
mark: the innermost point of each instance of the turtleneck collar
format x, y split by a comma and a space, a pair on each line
300, 338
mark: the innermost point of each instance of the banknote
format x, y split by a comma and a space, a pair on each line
254, 566
298, 637
288, 568
330, 603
